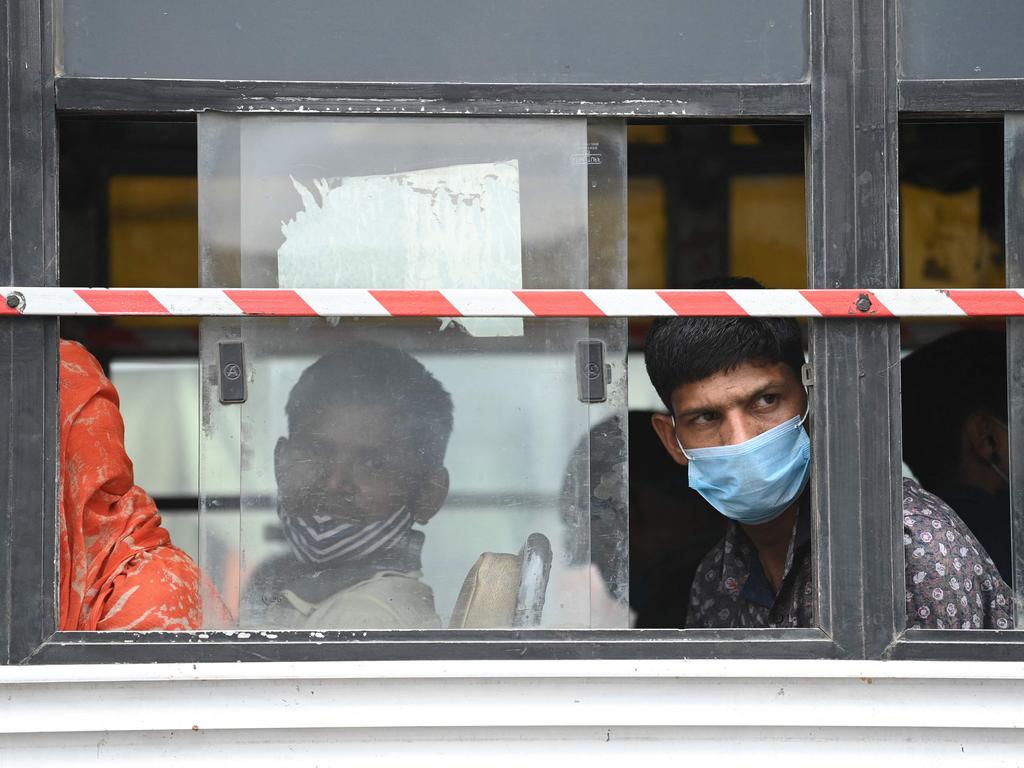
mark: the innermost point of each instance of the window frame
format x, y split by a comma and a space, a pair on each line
849, 104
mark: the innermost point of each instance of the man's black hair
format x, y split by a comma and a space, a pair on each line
682, 350
367, 373
944, 383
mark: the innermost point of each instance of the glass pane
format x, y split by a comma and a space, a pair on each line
461, 41
348, 475
350, 501
299, 201
942, 39
159, 402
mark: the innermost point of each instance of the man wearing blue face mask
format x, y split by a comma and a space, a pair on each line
736, 420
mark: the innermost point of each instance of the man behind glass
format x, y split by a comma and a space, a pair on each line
736, 421
363, 461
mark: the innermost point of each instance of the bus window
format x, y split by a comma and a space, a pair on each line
957, 516
247, 488
705, 201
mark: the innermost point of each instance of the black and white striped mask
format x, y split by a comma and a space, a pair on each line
322, 539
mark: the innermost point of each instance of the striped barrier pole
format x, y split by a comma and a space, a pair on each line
459, 302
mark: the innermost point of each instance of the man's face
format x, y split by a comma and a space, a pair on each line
730, 407
358, 464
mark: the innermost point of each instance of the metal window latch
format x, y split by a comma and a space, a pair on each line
807, 375
591, 372
231, 372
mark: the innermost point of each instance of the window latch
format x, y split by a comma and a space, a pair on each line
592, 375
231, 372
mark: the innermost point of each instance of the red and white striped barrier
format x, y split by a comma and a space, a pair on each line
344, 302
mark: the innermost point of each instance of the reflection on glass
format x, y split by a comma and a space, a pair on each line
597, 561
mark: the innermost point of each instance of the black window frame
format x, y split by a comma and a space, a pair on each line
849, 104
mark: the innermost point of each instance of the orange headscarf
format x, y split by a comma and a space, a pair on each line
118, 568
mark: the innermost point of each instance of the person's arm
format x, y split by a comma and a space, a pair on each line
118, 568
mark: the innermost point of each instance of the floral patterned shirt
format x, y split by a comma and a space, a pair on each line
951, 582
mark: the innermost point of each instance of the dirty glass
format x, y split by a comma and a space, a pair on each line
398, 473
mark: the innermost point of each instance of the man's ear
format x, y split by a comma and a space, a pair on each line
666, 432
431, 496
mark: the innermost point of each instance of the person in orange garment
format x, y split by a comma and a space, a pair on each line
118, 568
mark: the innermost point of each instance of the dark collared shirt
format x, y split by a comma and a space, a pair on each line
951, 582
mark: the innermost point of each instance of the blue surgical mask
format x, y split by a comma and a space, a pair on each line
757, 480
